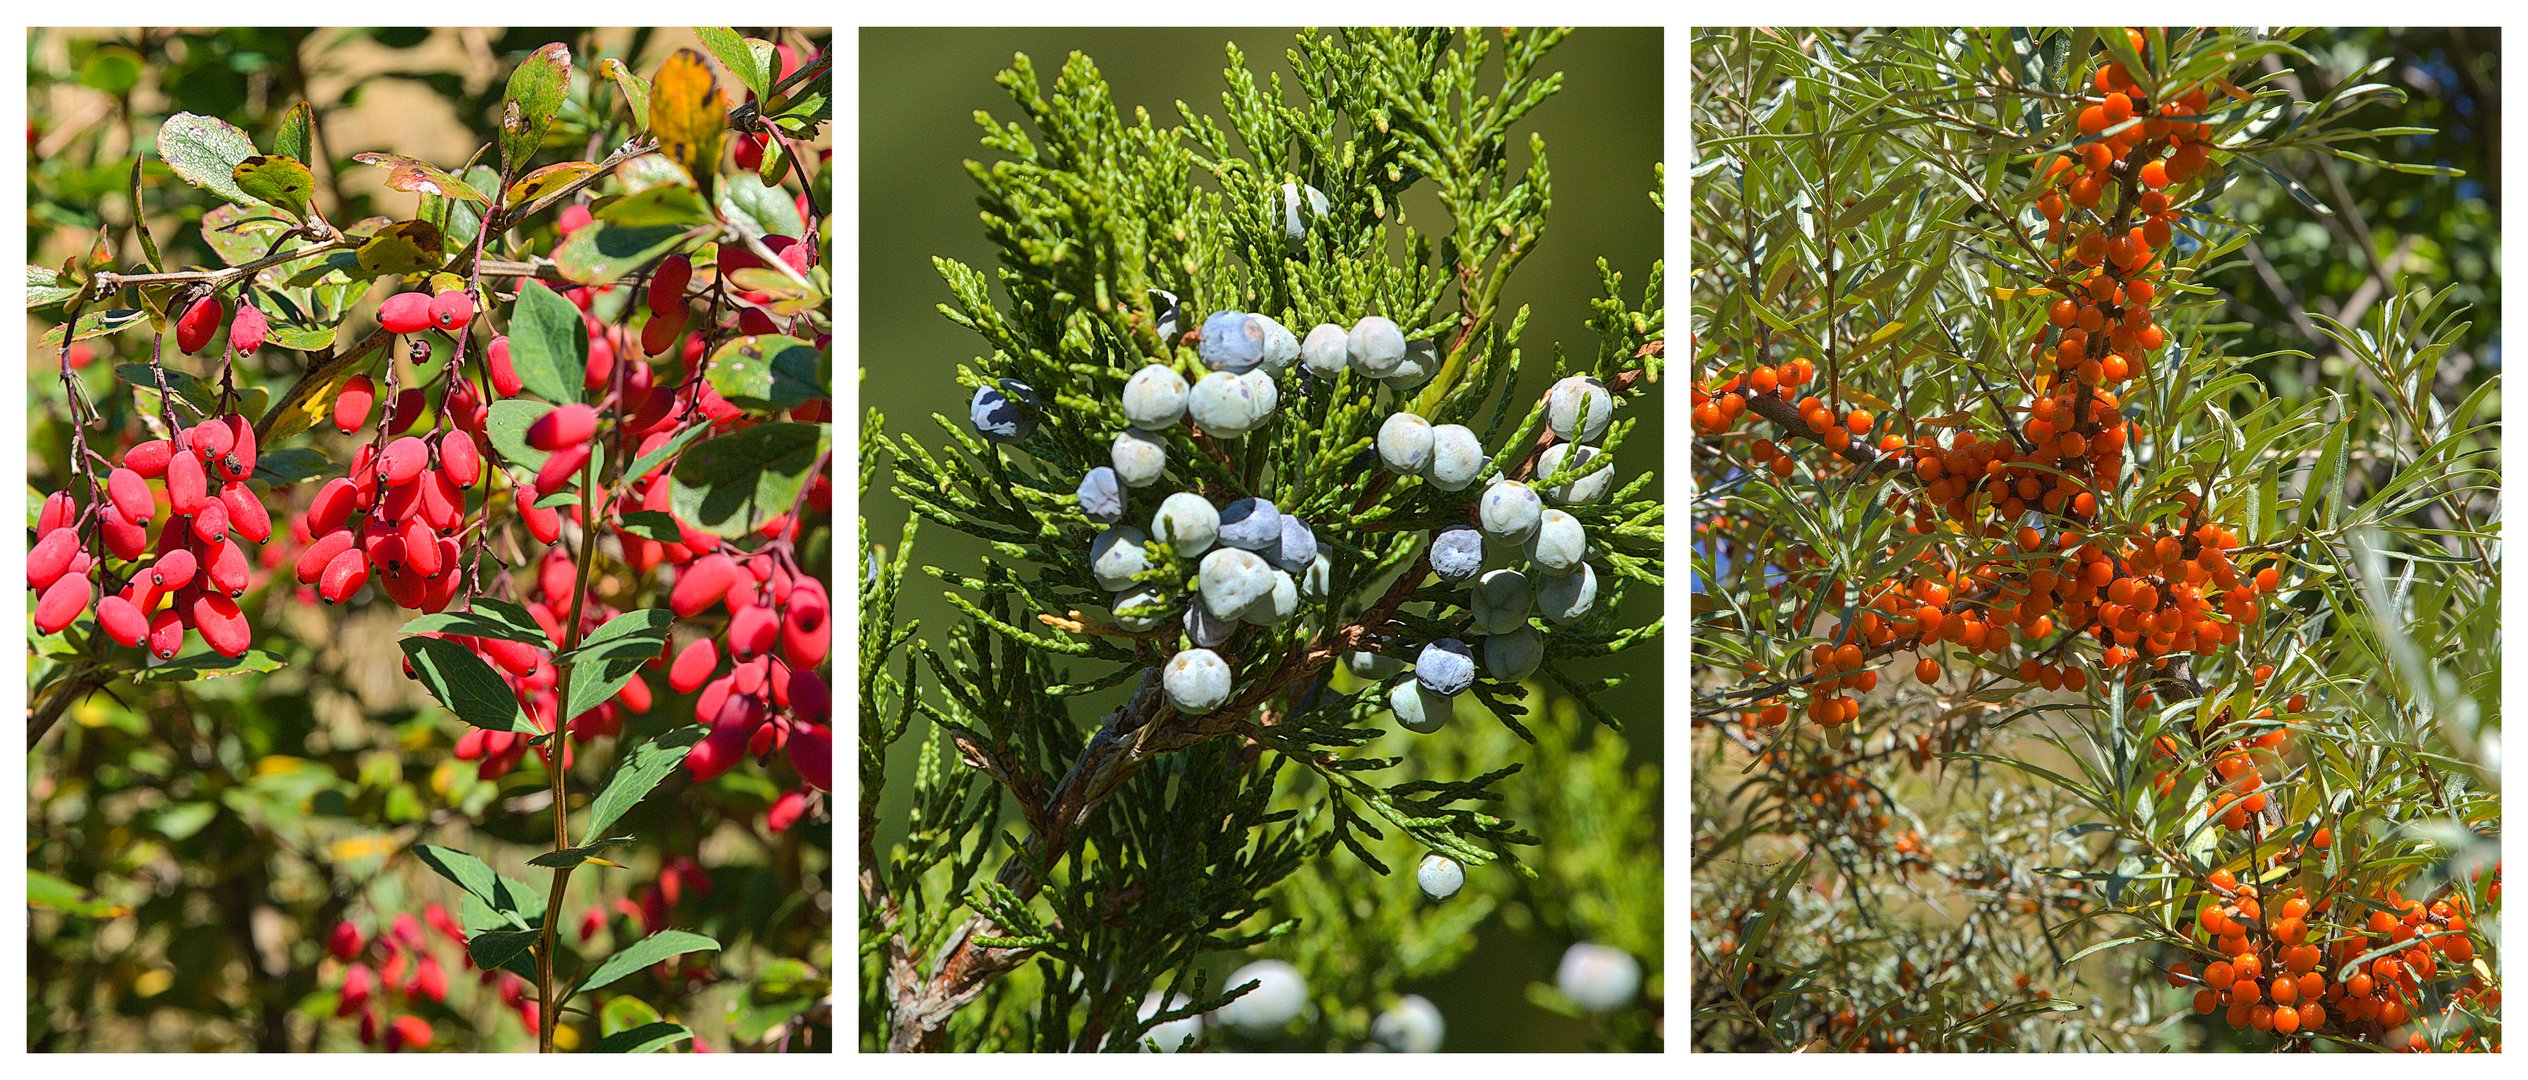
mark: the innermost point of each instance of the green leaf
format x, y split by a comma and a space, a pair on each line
95, 324
548, 344
280, 181
612, 655
115, 70
735, 55
731, 485
292, 140
515, 903
491, 618
651, 525
210, 665
760, 209
766, 374
44, 892
536, 91
633, 232
573, 856
493, 950
636, 90
507, 427
466, 685
290, 464
204, 151
641, 954
639, 772
642, 466
46, 287
647, 1038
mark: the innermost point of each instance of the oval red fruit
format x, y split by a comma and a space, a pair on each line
130, 495
451, 310
195, 327
405, 313
62, 602
351, 406
505, 380
460, 459
247, 331
667, 286
343, 576
49, 559
569, 425
694, 666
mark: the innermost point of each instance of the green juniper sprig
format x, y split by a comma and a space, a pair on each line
1201, 782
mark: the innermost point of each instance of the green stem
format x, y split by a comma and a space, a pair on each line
558, 758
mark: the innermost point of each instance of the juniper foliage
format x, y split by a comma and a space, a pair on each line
1064, 867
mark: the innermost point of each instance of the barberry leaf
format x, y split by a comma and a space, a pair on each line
552, 177
612, 655
573, 856
293, 138
278, 181
739, 55
205, 150
422, 178
46, 287
636, 90
647, 1038
731, 485
406, 247
465, 684
768, 373
210, 665
95, 324
491, 617
504, 950
518, 905
641, 954
759, 208
688, 113
548, 344
242, 232
536, 90
640, 771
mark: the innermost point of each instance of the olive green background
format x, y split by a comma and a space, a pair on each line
919, 91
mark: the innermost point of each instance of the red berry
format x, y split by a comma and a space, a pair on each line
505, 380
149, 459
343, 576
121, 620
693, 666
573, 218
166, 634
247, 331
403, 461
130, 495
405, 313
702, 584
560, 469
188, 489
223, 627
451, 310
812, 753
195, 327
351, 407
62, 603
460, 459
50, 558
667, 286
246, 513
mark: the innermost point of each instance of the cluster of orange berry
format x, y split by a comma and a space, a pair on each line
2279, 973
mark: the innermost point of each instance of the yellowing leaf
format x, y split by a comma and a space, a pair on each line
362, 847
554, 177
406, 247
688, 113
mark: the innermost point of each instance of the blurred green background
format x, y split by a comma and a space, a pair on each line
920, 90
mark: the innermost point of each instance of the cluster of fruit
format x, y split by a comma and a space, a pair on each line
2152, 592
2302, 967
186, 578
1538, 553
391, 974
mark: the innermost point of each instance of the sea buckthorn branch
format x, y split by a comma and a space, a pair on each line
2132, 200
